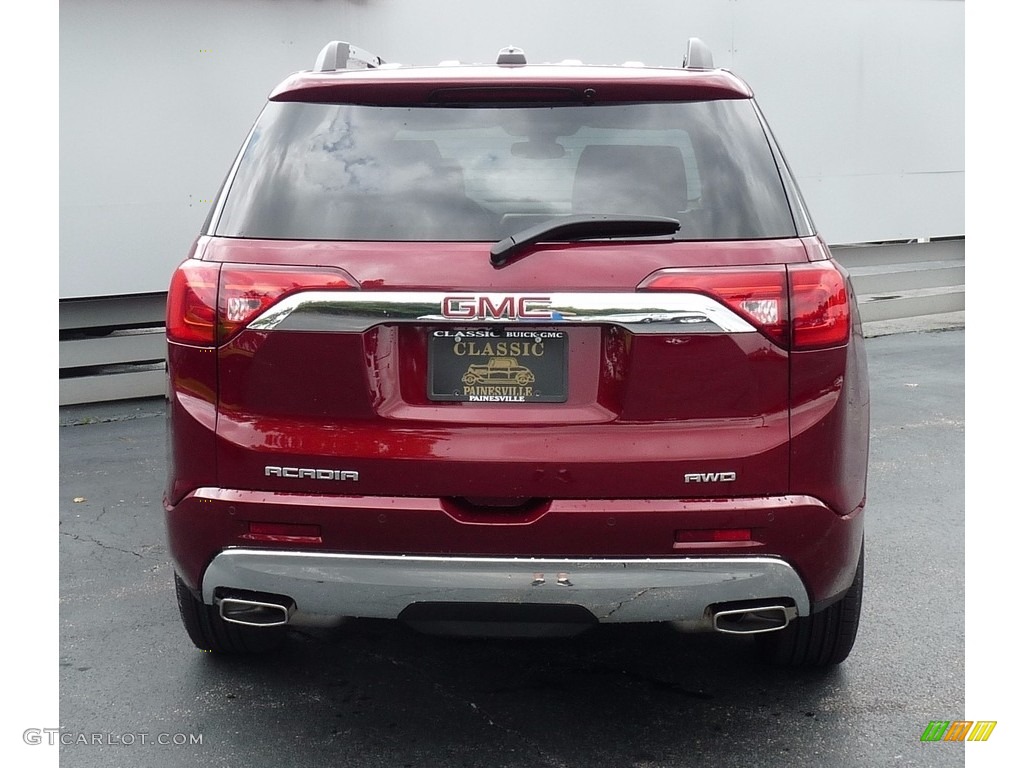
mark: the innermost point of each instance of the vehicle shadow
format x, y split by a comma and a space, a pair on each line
616, 696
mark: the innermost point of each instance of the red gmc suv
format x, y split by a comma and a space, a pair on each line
512, 350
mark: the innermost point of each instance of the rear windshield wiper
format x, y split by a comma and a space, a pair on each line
581, 228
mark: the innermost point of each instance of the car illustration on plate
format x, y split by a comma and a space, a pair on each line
498, 370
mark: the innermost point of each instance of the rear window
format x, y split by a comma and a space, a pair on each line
350, 172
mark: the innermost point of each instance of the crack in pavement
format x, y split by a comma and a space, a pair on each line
100, 544
637, 596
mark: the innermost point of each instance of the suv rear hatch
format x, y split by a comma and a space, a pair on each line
368, 343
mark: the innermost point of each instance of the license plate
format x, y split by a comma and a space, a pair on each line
497, 365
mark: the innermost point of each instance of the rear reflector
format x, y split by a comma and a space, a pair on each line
712, 535
284, 533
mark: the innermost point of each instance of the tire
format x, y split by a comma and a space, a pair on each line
209, 632
822, 639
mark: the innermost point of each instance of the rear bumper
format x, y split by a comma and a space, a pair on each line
383, 547
619, 590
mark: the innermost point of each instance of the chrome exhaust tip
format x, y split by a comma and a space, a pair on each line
249, 612
753, 620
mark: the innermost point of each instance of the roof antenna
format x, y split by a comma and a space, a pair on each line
698, 55
511, 56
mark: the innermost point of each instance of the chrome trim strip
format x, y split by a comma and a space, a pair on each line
614, 590
646, 313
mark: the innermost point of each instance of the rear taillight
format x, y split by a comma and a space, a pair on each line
192, 303
247, 290
758, 295
209, 303
821, 305
800, 306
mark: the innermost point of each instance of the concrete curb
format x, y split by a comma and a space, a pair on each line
946, 321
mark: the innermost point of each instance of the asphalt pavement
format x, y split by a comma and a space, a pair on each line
135, 692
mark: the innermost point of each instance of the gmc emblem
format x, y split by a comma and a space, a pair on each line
497, 307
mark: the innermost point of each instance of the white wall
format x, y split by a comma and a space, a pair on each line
865, 96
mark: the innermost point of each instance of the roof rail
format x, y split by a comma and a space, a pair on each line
698, 55
338, 54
